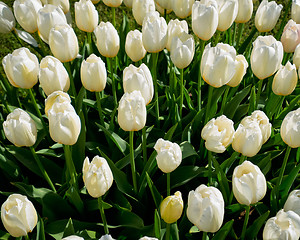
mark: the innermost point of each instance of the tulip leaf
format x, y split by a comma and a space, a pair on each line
223, 232
226, 165
129, 219
289, 108
274, 103
187, 150
157, 198
247, 41
40, 235
174, 231
69, 229
4, 235
170, 133
253, 230
74, 198
157, 224
8, 165
194, 229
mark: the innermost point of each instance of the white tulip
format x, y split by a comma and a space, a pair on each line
128, 3
140, 8
295, 11
228, 10
290, 37
241, 66
112, 3
290, 129
148, 238
73, 237
86, 15
7, 19
171, 208
296, 56
175, 28
293, 202
63, 4
56, 97
182, 8
106, 237
245, 10
134, 46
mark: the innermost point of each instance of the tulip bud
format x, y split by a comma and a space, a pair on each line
86, 15
21, 68
140, 8
171, 208
205, 18
154, 32
175, 28
132, 111
285, 80
290, 129
108, 41
63, 43
169, 155
7, 19
128, 3
248, 183
221, 57
20, 129
228, 10
296, 56
53, 76
26, 13
148, 238
18, 215
182, 8
266, 56
290, 37
206, 208
134, 46
138, 79
112, 3
241, 66
107, 237
97, 176
73, 237
285, 225
267, 15
63, 4
218, 134
93, 73
47, 18
56, 97
245, 9
295, 13
165, 4
293, 202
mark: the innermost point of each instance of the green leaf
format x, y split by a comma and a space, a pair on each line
253, 230
194, 229
170, 133
74, 197
8, 165
223, 232
157, 224
40, 235
157, 198
129, 219
69, 229
174, 231
289, 108
274, 103
187, 150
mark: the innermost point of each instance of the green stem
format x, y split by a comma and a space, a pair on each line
224, 99
98, 97
204, 236
260, 82
100, 205
144, 144
168, 184
202, 43
42, 169
217, 37
72, 84
208, 106
26, 237
41, 45
242, 159
89, 45
111, 69
70, 165
240, 33
209, 168
181, 93
245, 222
154, 76
113, 16
168, 231
132, 162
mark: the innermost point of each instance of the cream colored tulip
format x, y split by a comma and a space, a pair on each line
206, 208
56, 97
53, 76
165, 4
295, 11
205, 18
228, 10
175, 28
21, 68
171, 208
26, 13
169, 155
241, 66
18, 215
290, 37
138, 79
296, 56
108, 40
86, 15
112, 3
154, 32
132, 112
218, 134
95, 1
222, 58
107, 237
249, 184
161, 10
63, 4
245, 10
148, 238
20, 129
285, 80
290, 129
182, 8
266, 56
140, 8
73, 237
267, 15
97, 176
7, 19
293, 202
134, 46
128, 3
93, 73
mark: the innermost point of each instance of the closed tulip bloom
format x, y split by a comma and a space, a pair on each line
228, 10
53, 76
245, 10
56, 97
73, 237
97, 176
7, 19
18, 215
128, 3
154, 32
21, 68
26, 13
161, 10
47, 18
285, 80
148, 238
134, 46
108, 41
266, 56
218, 64
93, 73
290, 37
218, 134
248, 183
284, 226
267, 15
169, 155
63, 4
182, 8
206, 208
171, 208
241, 66
290, 129
293, 202
112, 3
175, 28
165, 4
20, 129
140, 8
132, 111
205, 18
86, 15
296, 56
138, 79
107, 237
295, 13
63, 43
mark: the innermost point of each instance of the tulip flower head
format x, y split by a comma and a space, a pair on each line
293, 202
290, 37
295, 11
165, 4
245, 10
56, 97
228, 10
63, 4
290, 129
241, 66
86, 15
182, 8
7, 19
134, 46
128, 3
296, 56
175, 28
171, 208
107, 237
140, 8
73, 237
148, 238
112, 3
